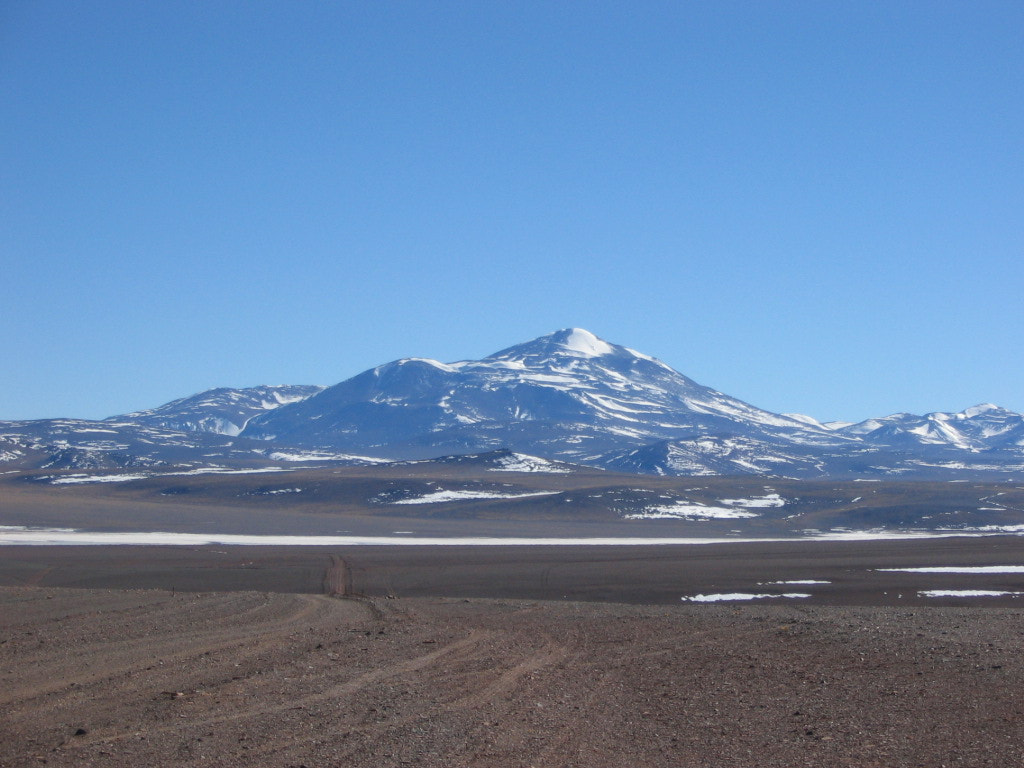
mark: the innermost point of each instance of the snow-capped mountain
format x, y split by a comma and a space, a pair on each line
111, 444
980, 428
222, 411
568, 396
195, 430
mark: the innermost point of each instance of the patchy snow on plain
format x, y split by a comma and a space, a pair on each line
441, 497
35, 536
25, 536
959, 569
967, 593
730, 596
995, 529
792, 581
227, 471
881, 534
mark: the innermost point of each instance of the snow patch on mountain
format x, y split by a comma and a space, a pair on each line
682, 510
346, 458
809, 420
771, 500
520, 462
586, 344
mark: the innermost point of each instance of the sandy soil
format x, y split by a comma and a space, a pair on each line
119, 677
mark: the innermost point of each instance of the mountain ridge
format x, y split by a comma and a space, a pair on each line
221, 410
567, 396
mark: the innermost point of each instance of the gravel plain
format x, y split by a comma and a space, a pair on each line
316, 677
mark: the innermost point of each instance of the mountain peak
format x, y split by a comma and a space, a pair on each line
581, 342
568, 342
982, 408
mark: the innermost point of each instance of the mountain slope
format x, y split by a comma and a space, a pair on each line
223, 411
567, 395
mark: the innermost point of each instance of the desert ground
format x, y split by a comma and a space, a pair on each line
510, 656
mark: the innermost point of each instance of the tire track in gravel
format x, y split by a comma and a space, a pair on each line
508, 679
471, 648
338, 578
142, 652
563, 747
446, 653
230, 611
35, 579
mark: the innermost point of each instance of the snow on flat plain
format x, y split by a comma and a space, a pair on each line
20, 535
440, 497
959, 569
967, 593
883, 534
26, 536
793, 581
723, 596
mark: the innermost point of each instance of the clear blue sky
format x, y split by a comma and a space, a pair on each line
816, 207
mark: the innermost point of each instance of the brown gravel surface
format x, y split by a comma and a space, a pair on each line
92, 677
